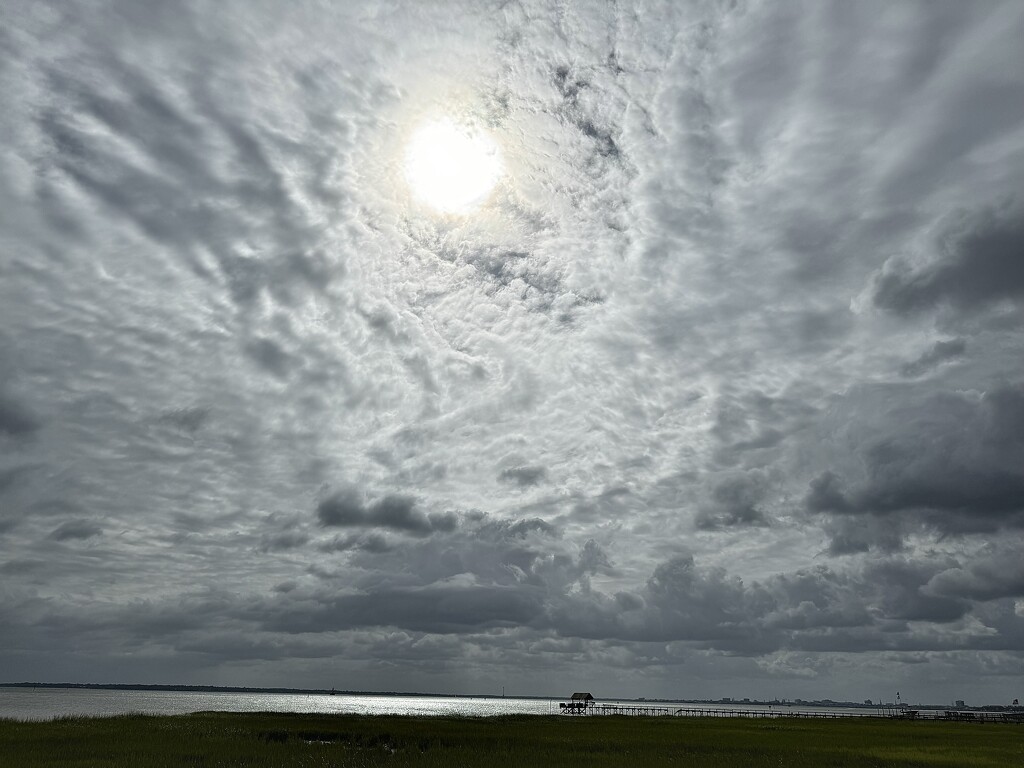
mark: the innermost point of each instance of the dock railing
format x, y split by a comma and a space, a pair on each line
888, 713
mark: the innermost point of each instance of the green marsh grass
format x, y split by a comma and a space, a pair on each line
212, 739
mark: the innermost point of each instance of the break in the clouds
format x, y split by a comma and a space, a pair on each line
717, 392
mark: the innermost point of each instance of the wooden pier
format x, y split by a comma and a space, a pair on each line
887, 713
642, 710
583, 703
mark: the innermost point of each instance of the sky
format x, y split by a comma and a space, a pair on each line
718, 392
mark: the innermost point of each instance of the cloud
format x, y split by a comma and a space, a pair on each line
951, 462
523, 476
734, 501
430, 609
979, 260
940, 352
909, 593
855, 534
269, 356
190, 419
999, 575
23, 566
16, 420
76, 529
283, 541
345, 509
891, 604
370, 542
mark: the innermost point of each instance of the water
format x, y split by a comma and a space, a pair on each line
46, 703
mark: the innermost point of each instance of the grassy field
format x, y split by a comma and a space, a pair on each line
230, 739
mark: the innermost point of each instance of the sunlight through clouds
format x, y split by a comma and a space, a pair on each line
452, 168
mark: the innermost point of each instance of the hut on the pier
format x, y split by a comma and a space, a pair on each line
578, 703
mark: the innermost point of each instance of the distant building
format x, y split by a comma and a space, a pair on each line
960, 703
867, 702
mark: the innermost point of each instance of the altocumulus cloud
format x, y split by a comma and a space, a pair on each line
718, 390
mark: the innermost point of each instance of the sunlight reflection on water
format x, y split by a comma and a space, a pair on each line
43, 703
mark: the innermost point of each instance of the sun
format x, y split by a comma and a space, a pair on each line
452, 168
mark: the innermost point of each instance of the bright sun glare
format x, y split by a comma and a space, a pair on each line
450, 167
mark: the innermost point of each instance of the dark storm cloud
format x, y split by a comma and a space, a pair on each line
940, 352
853, 534
999, 575
490, 551
14, 567
816, 610
484, 574
16, 420
283, 541
373, 543
978, 260
908, 592
437, 609
951, 462
827, 495
190, 419
76, 529
813, 608
523, 475
734, 501
682, 602
10, 476
346, 509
